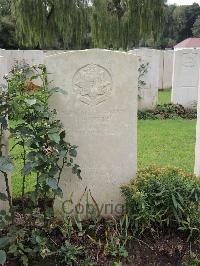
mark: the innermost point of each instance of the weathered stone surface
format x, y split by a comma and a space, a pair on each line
22, 57
186, 77
148, 94
99, 114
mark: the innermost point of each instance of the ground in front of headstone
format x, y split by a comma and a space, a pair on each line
99, 242
166, 250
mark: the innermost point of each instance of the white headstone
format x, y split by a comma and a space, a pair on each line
197, 147
166, 69
186, 77
99, 114
22, 57
4, 138
148, 94
161, 70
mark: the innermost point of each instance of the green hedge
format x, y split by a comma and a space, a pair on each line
168, 111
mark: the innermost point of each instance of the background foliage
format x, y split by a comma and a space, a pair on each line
83, 23
75, 24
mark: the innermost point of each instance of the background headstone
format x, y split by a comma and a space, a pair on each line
149, 93
99, 114
166, 69
22, 57
161, 70
186, 77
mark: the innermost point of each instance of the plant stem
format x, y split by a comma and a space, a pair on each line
44, 210
9, 195
24, 177
59, 175
60, 172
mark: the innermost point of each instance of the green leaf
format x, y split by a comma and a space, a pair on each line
73, 152
2, 257
59, 193
26, 170
35, 77
4, 241
174, 202
31, 155
3, 197
6, 165
39, 108
24, 260
53, 171
52, 182
30, 102
54, 137
3, 212
13, 249
42, 178
57, 89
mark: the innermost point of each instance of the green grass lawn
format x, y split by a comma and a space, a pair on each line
166, 143
164, 96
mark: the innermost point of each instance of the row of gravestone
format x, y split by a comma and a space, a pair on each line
158, 63
178, 69
164, 69
99, 113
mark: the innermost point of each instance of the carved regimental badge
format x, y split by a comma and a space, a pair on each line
93, 84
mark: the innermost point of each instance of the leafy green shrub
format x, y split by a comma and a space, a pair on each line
40, 137
160, 198
168, 111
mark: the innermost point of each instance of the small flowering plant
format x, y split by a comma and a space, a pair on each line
40, 135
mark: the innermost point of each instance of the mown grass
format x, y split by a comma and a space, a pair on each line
164, 96
166, 143
17, 177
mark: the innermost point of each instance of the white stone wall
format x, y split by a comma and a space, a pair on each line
186, 77
99, 114
149, 93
